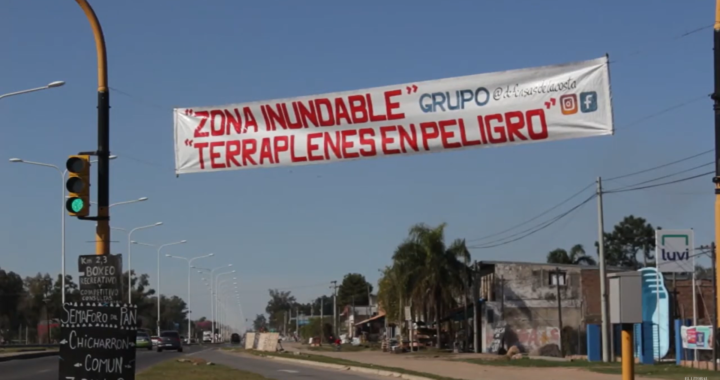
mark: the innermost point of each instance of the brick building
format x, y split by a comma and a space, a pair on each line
523, 297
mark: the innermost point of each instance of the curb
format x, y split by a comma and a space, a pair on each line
28, 355
348, 368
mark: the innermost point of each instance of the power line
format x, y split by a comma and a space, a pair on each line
661, 112
660, 166
535, 217
661, 184
535, 229
663, 177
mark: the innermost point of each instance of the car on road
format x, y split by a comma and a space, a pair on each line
235, 338
155, 340
169, 340
143, 340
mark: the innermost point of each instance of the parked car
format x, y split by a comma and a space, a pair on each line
143, 340
155, 340
169, 340
235, 338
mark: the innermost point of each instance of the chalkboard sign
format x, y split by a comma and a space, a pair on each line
497, 343
100, 278
97, 341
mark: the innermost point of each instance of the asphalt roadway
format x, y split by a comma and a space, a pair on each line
47, 368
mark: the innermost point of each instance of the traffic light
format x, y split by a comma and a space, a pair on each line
78, 185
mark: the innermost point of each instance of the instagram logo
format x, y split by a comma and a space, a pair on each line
568, 104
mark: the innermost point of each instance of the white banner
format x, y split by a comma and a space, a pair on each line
504, 108
674, 251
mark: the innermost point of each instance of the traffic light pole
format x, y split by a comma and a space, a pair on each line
716, 109
102, 239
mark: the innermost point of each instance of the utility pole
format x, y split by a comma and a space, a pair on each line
716, 109
715, 298
335, 326
560, 322
322, 318
352, 326
604, 327
102, 230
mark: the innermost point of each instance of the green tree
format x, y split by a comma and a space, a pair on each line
630, 237
354, 289
12, 292
432, 272
280, 303
575, 256
260, 322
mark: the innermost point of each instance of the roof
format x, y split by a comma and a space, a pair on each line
576, 266
379, 316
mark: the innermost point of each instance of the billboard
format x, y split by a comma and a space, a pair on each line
674, 251
697, 337
513, 107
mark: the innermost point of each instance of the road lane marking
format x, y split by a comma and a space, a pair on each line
198, 352
288, 370
45, 370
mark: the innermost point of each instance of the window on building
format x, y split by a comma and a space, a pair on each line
558, 278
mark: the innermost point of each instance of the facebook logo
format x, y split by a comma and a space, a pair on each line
588, 101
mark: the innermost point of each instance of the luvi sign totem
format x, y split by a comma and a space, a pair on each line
674, 251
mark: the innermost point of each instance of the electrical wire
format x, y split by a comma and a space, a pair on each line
660, 184
536, 216
660, 166
533, 230
664, 177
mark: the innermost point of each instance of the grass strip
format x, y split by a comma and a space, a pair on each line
349, 363
187, 371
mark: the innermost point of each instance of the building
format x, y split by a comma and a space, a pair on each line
532, 300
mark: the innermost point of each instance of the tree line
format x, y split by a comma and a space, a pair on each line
27, 302
427, 274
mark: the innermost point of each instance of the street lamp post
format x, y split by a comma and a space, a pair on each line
46, 87
159, 248
129, 240
63, 173
212, 289
221, 312
189, 262
217, 287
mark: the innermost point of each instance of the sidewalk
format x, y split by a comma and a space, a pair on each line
459, 370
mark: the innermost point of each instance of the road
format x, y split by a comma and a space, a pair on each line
278, 370
47, 368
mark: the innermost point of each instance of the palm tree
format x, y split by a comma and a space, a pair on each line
432, 272
576, 256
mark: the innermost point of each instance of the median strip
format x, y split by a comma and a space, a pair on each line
195, 370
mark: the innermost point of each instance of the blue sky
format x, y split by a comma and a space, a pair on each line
300, 228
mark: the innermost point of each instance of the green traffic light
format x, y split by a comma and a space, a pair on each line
76, 204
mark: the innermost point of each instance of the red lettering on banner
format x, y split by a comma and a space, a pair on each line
248, 148
332, 146
293, 157
199, 133
446, 134
390, 105
429, 130
349, 143
385, 140
513, 126
366, 140
215, 155
233, 150
266, 151
250, 121
278, 147
200, 147
312, 147
330, 120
